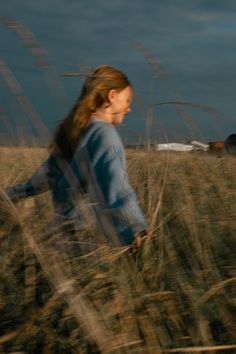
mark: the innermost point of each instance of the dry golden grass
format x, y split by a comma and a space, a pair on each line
178, 295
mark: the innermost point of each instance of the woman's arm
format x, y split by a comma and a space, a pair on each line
40, 182
120, 199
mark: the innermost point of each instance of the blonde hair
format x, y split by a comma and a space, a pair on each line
94, 93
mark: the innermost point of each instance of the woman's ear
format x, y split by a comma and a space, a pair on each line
111, 96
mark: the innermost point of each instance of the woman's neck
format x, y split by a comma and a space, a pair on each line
103, 114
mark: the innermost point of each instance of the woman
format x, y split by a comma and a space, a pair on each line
87, 157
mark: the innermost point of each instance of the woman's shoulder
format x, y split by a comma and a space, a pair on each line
104, 134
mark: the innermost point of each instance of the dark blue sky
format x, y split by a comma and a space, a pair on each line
192, 43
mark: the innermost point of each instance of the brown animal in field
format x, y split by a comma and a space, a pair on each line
217, 146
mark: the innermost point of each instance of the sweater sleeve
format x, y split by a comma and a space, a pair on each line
120, 199
41, 181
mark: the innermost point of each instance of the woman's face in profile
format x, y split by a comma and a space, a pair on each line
120, 104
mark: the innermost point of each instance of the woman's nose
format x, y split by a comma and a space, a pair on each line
128, 109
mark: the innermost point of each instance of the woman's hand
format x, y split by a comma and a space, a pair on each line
138, 241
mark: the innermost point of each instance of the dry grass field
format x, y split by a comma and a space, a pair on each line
177, 296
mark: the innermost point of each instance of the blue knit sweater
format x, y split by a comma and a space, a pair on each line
97, 169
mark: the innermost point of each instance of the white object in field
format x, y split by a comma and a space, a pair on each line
199, 145
174, 147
